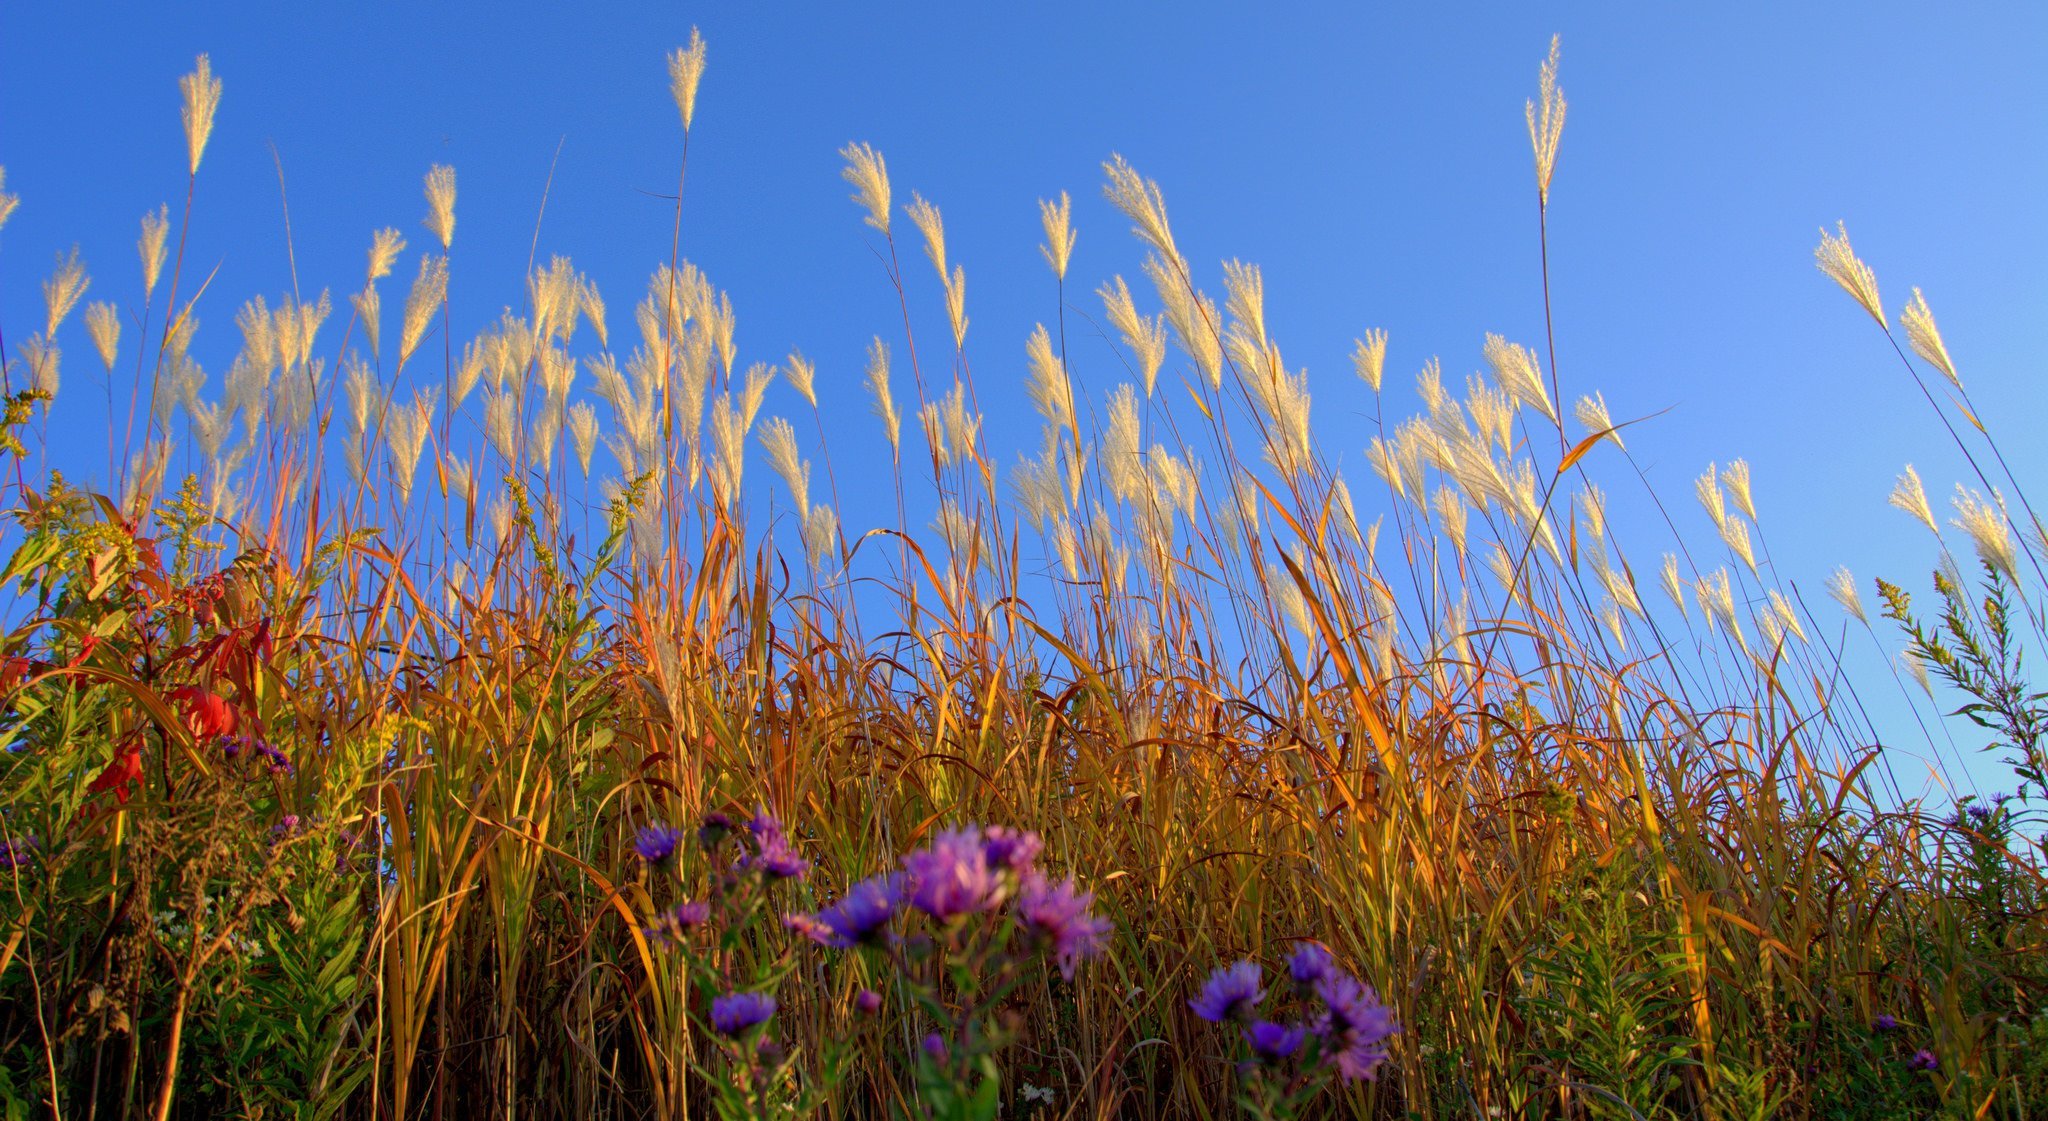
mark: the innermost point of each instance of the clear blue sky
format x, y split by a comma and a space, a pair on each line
1374, 163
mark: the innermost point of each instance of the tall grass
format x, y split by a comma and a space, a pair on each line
325, 759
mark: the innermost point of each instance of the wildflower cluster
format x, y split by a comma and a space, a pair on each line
1340, 1034
990, 917
740, 868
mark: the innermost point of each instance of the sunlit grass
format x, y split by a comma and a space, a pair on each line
327, 758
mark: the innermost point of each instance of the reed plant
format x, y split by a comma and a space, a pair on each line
348, 772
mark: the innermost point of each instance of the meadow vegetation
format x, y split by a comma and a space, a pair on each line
436, 730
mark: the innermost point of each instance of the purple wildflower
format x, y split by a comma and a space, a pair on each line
1231, 993
232, 746
734, 1013
953, 876
868, 1001
1979, 812
678, 920
1059, 915
773, 853
1355, 1026
1884, 1021
657, 844
17, 852
273, 759
715, 829
935, 1046
1923, 1059
1310, 963
1272, 1042
1009, 849
861, 916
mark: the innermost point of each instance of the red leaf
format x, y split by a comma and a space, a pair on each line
121, 774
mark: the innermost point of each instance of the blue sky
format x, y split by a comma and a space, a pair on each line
1372, 160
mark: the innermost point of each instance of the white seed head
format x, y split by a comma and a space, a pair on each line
1840, 263
1058, 220
685, 70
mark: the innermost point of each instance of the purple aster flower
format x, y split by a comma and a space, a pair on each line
1009, 849
678, 920
1272, 1042
2000, 798
273, 759
868, 1001
735, 1013
1231, 993
17, 852
657, 844
1884, 1021
861, 916
1059, 915
1355, 1026
715, 829
232, 746
1979, 812
1310, 963
773, 853
1923, 1059
953, 876
935, 1046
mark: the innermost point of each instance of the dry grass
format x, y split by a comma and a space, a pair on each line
1605, 856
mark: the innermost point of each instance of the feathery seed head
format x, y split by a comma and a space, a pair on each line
870, 179
802, 376
1668, 577
1546, 122
156, 230
821, 533
370, 311
1735, 534
1120, 444
1145, 336
62, 291
778, 438
1736, 478
1842, 266
1917, 670
406, 430
956, 305
1925, 337
1050, 389
925, 217
1908, 495
1058, 220
885, 404
1592, 415
581, 420
385, 246
1516, 368
1244, 288
201, 92
1369, 357
1989, 531
1708, 488
7, 201
1452, 511
441, 203
1842, 586
685, 70
103, 323
43, 358
428, 291
1141, 202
